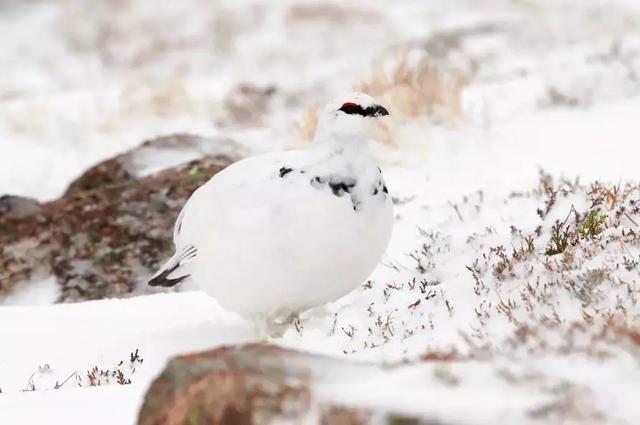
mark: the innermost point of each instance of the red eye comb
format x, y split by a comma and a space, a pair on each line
349, 104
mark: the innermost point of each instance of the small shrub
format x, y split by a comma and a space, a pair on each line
560, 239
593, 225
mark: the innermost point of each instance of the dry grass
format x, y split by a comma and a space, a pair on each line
247, 105
309, 122
411, 91
121, 374
333, 13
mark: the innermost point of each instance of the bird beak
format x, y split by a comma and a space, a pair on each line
379, 111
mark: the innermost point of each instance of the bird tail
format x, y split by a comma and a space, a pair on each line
174, 270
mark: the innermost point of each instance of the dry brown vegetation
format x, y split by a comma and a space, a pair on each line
333, 13
561, 281
416, 90
411, 90
120, 374
308, 123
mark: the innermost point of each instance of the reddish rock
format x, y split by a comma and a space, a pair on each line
110, 230
259, 384
254, 384
110, 172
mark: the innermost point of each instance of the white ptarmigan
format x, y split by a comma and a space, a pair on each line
275, 234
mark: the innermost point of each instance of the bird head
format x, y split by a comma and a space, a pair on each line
349, 116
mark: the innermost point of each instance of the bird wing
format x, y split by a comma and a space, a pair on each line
262, 189
249, 184
194, 218
274, 197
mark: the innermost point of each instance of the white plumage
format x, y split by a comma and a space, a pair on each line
276, 234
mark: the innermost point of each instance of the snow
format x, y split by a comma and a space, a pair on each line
75, 338
461, 188
112, 405
162, 325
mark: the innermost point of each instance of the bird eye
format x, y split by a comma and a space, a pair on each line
351, 108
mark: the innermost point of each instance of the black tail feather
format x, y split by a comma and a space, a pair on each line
162, 277
163, 280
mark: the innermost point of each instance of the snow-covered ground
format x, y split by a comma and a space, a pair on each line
532, 338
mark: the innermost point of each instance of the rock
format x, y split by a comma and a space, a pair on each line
110, 230
106, 173
259, 384
227, 386
152, 156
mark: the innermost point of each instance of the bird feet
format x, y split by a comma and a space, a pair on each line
271, 327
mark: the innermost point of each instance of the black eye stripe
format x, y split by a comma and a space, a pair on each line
370, 111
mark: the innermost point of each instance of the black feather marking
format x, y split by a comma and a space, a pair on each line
355, 201
375, 191
384, 189
339, 186
285, 170
338, 189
